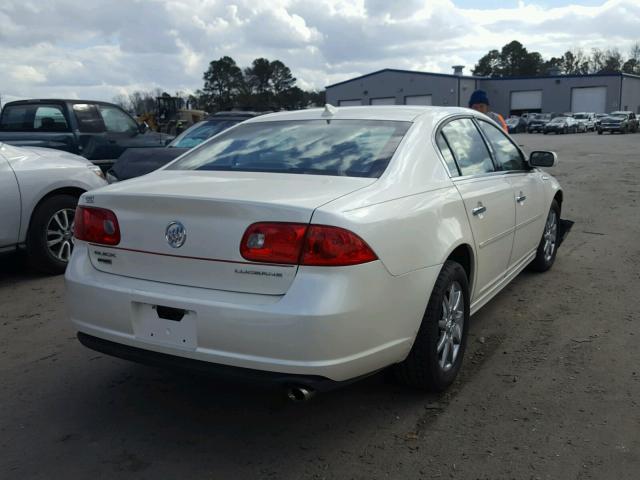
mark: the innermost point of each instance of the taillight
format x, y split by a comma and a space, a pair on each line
334, 247
297, 243
96, 225
273, 242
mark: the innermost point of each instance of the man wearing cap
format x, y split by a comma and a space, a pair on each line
479, 101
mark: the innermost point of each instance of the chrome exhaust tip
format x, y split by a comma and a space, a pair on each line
299, 394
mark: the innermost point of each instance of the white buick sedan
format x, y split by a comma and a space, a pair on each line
315, 247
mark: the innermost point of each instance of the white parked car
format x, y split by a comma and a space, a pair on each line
586, 121
39, 190
315, 246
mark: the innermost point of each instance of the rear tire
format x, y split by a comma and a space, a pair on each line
548, 246
49, 241
438, 349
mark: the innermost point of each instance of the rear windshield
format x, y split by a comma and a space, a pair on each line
352, 148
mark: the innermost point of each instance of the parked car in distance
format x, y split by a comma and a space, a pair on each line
314, 247
632, 120
516, 124
621, 122
135, 162
98, 131
586, 121
537, 121
561, 125
39, 190
598, 119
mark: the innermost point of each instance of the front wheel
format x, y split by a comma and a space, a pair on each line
438, 349
50, 237
548, 246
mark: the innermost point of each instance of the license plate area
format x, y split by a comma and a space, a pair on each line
165, 325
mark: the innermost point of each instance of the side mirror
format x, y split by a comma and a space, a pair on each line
143, 127
542, 159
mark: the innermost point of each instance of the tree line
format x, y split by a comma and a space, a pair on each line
264, 85
515, 60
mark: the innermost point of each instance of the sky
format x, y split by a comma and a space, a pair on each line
97, 49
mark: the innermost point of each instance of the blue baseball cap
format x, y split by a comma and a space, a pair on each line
479, 96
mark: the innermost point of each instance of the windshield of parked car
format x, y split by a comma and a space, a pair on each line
199, 132
558, 120
353, 148
618, 116
512, 121
581, 116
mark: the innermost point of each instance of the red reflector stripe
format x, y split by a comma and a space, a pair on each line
96, 225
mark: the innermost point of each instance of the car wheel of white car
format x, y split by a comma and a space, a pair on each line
50, 238
437, 352
548, 246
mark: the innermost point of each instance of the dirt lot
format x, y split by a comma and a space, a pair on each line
549, 389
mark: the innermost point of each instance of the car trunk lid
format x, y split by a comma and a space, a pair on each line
215, 209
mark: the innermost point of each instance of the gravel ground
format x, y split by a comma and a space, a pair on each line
549, 388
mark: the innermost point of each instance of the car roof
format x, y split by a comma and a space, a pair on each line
57, 100
389, 112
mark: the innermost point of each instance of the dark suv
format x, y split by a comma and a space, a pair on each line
99, 131
537, 121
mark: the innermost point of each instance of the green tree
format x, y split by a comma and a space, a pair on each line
281, 77
222, 82
612, 62
512, 60
488, 65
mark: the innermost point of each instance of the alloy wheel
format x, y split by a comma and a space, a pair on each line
450, 326
60, 234
550, 236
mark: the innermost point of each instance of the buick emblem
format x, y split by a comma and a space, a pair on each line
175, 234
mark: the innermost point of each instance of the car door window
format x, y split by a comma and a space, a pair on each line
116, 120
507, 155
447, 155
50, 119
468, 147
89, 120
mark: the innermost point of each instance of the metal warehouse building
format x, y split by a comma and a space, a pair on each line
598, 93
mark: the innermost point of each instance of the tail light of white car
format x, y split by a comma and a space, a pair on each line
301, 244
96, 225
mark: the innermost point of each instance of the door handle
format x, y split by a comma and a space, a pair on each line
479, 209
521, 198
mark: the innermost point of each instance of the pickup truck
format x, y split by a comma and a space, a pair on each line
98, 131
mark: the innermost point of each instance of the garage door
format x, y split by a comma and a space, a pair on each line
383, 101
349, 103
589, 99
526, 100
417, 100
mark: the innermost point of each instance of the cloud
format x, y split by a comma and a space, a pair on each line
101, 48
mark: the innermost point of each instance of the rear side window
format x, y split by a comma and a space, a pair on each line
507, 155
89, 120
116, 120
468, 147
353, 148
28, 118
448, 156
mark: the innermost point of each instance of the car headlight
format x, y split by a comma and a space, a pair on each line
95, 169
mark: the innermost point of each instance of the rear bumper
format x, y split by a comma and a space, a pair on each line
238, 374
334, 323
